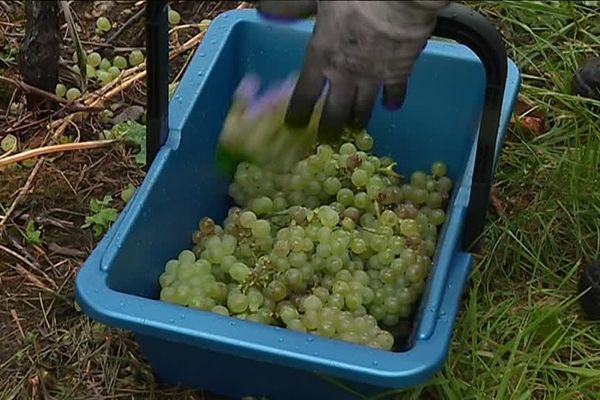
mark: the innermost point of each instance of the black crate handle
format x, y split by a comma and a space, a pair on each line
470, 28
456, 22
157, 77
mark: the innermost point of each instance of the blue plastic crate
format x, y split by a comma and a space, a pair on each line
118, 285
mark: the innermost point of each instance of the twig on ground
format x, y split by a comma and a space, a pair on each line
56, 148
27, 273
51, 96
23, 191
17, 320
65, 251
133, 19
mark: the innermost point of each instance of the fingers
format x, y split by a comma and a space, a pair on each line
307, 91
336, 111
286, 10
363, 106
393, 95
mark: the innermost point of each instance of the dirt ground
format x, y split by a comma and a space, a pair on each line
50, 349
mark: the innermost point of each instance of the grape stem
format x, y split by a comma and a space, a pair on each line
390, 172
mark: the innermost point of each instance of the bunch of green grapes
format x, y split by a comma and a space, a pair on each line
339, 246
101, 70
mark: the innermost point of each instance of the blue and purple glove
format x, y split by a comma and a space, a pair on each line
356, 47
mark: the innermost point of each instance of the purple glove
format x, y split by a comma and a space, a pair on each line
356, 47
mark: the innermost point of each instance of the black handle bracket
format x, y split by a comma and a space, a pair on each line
471, 29
157, 77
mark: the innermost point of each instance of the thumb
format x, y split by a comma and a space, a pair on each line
286, 10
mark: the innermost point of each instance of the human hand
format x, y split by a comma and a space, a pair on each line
356, 47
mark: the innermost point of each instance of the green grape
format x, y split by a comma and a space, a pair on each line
347, 149
94, 59
332, 185
328, 217
409, 227
293, 278
174, 17
136, 57
204, 24
385, 340
345, 196
105, 64
90, 71
437, 217
237, 302
354, 300
389, 218
255, 299
361, 200
439, 169
434, 200
359, 178
321, 293
103, 24
60, 90
312, 303
324, 152
310, 320
276, 291
296, 325
72, 94
364, 141
120, 62
261, 228
418, 179
287, 312
104, 77
262, 205
444, 184
219, 309
239, 271
247, 219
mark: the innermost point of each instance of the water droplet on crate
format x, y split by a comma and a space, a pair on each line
200, 73
442, 313
280, 340
171, 321
233, 323
310, 339
121, 304
201, 55
375, 363
213, 41
182, 316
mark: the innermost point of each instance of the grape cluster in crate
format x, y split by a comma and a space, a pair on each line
339, 245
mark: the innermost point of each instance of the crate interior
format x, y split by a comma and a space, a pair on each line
438, 122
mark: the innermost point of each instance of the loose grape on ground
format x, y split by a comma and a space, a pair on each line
338, 246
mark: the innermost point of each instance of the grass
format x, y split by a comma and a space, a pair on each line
520, 334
